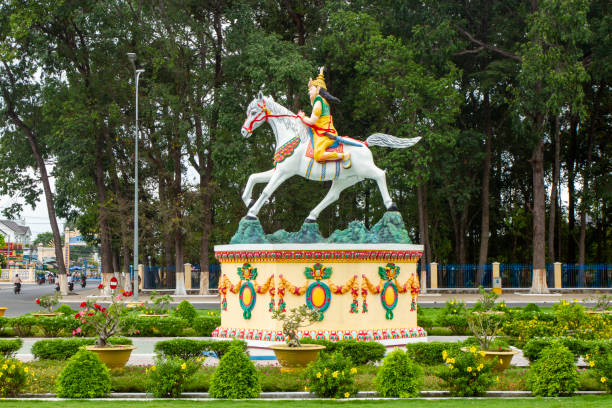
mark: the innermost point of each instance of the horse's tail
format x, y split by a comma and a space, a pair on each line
381, 139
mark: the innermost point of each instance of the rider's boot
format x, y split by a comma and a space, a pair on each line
346, 160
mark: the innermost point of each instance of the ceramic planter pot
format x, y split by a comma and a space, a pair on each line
113, 356
295, 358
2, 310
45, 314
133, 305
153, 315
504, 355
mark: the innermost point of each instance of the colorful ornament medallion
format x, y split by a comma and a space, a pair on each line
247, 294
318, 294
388, 298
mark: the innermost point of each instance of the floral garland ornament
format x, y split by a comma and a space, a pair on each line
226, 285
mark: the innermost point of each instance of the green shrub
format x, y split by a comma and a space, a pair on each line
84, 376
204, 325
189, 348
602, 365
15, 377
8, 348
422, 320
554, 372
467, 374
4, 322
186, 311
399, 377
532, 307
236, 376
331, 376
359, 352
63, 349
66, 310
453, 316
570, 316
167, 377
56, 325
170, 326
22, 325
430, 354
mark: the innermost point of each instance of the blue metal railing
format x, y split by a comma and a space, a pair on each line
464, 276
521, 275
213, 277
160, 277
586, 276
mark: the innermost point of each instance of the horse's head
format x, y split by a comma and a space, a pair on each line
257, 113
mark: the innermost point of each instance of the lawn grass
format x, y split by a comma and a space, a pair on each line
602, 401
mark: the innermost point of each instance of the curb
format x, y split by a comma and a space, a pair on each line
280, 396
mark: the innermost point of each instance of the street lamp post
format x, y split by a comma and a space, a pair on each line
137, 72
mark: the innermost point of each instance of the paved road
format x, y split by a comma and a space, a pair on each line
25, 302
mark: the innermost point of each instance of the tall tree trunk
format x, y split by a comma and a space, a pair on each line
486, 175
105, 243
539, 284
178, 217
425, 260
553, 193
571, 190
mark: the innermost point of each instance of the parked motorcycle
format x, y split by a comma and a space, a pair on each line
17, 288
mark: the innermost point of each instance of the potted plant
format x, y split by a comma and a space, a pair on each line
484, 323
2, 310
106, 322
46, 304
159, 307
292, 355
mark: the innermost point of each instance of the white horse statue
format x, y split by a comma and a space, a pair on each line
292, 140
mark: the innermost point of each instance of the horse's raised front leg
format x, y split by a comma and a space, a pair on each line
332, 195
276, 180
255, 178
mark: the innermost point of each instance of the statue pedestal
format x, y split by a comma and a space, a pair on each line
366, 292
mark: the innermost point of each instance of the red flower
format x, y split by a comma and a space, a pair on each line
37, 301
137, 331
97, 306
83, 304
103, 310
101, 286
90, 314
77, 316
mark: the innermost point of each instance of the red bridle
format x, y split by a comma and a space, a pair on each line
263, 115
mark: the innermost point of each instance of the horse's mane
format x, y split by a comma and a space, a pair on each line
291, 123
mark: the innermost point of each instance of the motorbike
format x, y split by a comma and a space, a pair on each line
71, 286
17, 288
41, 280
83, 281
57, 288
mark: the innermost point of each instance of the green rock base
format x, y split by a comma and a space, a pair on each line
390, 229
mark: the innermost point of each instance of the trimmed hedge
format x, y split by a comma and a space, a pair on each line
430, 354
56, 326
189, 348
534, 347
359, 352
8, 348
170, 326
22, 325
204, 325
63, 349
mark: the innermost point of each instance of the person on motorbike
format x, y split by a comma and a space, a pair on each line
17, 283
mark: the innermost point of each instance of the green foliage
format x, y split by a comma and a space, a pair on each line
84, 376
189, 349
63, 349
204, 325
48, 302
359, 352
602, 365
160, 304
8, 348
467, 374
554, 373
15, 376
167, 377
570, 316
399, 377
331, 376
422, 320
430, 354
169, 326
186, 310
53, 326
22, 325
235, 377
454, 316
532, 307
297, 318
66, 310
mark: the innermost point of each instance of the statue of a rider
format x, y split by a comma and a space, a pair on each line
321, 124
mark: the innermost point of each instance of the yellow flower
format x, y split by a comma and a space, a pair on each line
306, 389
146, 371
1, 374
325, 370
335, 374
497, 378
346, 395
318, 375
450, 366
453, 360
353, 370
448, 361
444, 355
501, 361
183, 366
591, 364
478, 368
454, 310
12, 366
482, 353
26, 369
469, 369
481, 366
472, 349
153, 368
603, 379
452, 302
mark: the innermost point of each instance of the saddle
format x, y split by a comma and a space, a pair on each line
336, 147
